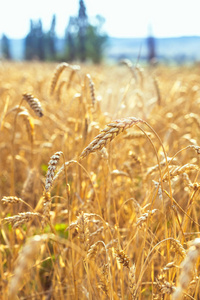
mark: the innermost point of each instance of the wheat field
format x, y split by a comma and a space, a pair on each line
99, 181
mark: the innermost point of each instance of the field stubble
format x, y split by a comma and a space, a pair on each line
99, 182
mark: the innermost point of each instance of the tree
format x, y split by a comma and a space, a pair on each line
151, 47
5, 47
29, 43
82, 29
71, 39
40, 41
83, 39
96, 40
50, 41
34, 41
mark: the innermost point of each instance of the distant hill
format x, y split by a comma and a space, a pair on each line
179, 49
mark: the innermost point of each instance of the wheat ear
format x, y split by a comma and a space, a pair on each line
92, 89
25, 259
21, 218
59, 69
51, 170
34, 104
108, 134
122, 258
187, 266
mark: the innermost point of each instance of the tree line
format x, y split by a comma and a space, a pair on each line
84, 40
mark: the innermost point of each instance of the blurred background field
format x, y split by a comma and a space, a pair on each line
96, 31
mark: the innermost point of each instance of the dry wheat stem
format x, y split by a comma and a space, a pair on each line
165, 155
148, 260
182, 210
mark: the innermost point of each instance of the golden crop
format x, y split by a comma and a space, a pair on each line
99, 181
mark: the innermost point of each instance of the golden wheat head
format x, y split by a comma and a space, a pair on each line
108, 134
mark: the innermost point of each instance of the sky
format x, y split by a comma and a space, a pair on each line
123, 18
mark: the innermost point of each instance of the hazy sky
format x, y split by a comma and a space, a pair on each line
124, 18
